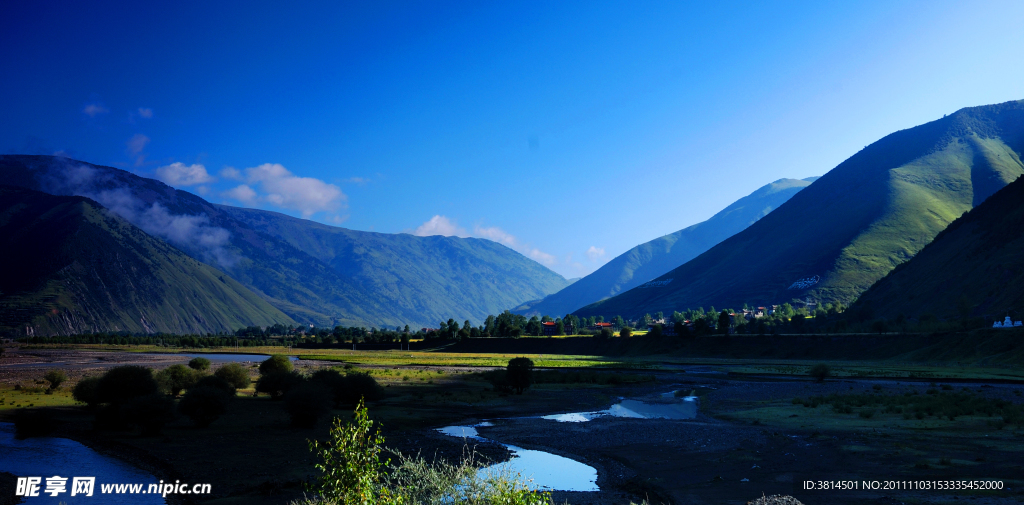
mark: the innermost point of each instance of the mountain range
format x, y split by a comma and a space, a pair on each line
280, 259
831, 241
973, 267
652, 259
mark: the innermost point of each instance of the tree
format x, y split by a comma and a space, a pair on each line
350, 463
519, 374
534, 327
55, 378
85, 391
656, 331
723, 322
124, 383
234, 374
626, 332
879, 326
797, 322
199, 364
276, 384
149, 412
204, 404
175, 378
559, 327
276, 363
619, 322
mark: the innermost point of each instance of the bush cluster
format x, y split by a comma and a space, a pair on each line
307, 399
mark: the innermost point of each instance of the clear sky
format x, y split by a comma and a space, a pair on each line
571, 131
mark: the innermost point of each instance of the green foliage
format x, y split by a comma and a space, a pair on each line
276, 363
626, 332
348, 389
352, 472
276, 384
212, 381
149, 412
205, 403
820, 372
519, 374
55, 378
199, 364
86, 391
176, 378
124, 383
234, 374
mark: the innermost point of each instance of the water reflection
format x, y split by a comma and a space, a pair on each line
686, 409
49, 456
546, 470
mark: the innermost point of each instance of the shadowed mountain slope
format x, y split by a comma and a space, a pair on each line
70, 266
834, 239
649, 260
976, 264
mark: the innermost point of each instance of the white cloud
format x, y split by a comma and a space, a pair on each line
243, 194
95, 109
231, 173
496, 234
439, 225
179, 174
541, 257
595, 253
272, 183
145, 112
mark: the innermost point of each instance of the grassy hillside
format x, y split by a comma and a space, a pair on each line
649, 260
312, 274
427, 279
976, 264
852, 226
70, 266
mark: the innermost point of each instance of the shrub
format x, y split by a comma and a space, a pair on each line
199, 364
306, 403
215, 382
85, 391
362, 385
350, 462
820, 372
276, 384
175, 378
626, 332
203, 404
55, 378
519, 373
234, 374
276, 363
124, 383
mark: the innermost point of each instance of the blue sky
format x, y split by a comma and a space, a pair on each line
570, 131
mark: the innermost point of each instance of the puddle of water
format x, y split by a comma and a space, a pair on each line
49, 456
546, 470
687, 409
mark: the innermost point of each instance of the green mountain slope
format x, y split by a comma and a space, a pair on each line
976, 263
854, 224
649, 260
427, 279
70, 266
294, 271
